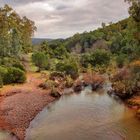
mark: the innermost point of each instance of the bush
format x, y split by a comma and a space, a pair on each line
3, 72
120, 60
55, 93
14, 75
126, 81
96, 58
11, 75
11, 62
1, 82
20, 66
40, 60
56, 74
51, 84
125, 88
69, 68
69, 82
52, 64
135, 69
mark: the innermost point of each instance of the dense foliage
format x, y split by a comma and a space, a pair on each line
15, 32
114, 45
15, 39
69, 67
126, 82
118, 43
96, 58
10, 75
40, 60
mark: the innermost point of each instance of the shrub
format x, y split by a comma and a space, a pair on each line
126, 81
40, 60
11, 62
20, 66
69, 81
3, 71
55, 93
52, 64
135, 69
122, 74
55, 74
68, 67
125, 88
51, 84
11, 75
14, 75
1, 82
91, 78
96, 58
121, 60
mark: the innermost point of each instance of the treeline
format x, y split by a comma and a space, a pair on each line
15, 40
120, 41
111, 48
15, 32
115, 45
126, 82
122, 37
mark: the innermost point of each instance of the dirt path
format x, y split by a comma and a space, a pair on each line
19, 104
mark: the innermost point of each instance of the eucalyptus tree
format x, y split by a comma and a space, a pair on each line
15, 32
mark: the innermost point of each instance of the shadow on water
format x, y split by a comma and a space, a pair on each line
86, 116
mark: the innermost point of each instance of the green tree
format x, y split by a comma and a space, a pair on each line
96, 58
69, 67
40, 60
15, 32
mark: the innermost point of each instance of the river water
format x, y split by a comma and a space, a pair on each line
85, 116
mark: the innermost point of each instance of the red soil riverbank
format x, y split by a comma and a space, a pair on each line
19, 104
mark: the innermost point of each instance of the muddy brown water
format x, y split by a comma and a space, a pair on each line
85, 116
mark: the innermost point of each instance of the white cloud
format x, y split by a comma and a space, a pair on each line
62, 18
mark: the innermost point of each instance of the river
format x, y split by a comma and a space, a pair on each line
85, 116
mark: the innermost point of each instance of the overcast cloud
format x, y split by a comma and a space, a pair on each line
63, 18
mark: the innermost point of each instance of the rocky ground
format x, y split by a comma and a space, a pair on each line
19, 104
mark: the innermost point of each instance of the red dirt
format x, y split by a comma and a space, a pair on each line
19, 104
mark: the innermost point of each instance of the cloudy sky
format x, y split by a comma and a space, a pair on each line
63, 18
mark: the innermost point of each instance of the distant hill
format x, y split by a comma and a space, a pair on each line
108, 37
37, 41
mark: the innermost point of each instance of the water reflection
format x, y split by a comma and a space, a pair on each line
85, 116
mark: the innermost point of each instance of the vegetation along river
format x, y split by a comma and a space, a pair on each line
85, 116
